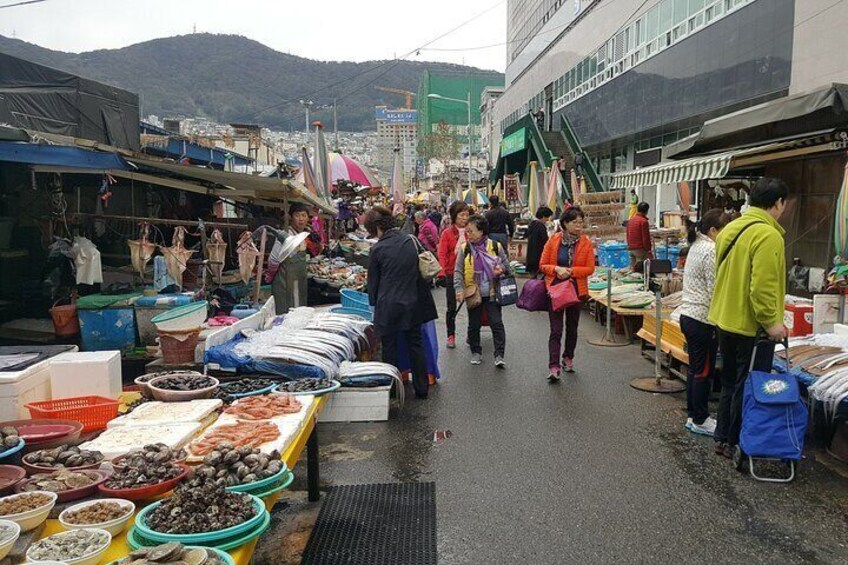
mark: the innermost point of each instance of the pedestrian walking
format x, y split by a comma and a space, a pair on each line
401, 298
701, 335
479, 263
428, 233
568, 258
537, 237
452, 236
500, 222
639, 235
748, 300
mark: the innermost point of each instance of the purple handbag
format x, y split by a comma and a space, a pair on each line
534, 296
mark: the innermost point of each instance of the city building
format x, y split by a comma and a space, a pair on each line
443, 98
634, 76
489, 140
397, 129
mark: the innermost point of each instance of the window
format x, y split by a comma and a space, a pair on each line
666, 15
681, 11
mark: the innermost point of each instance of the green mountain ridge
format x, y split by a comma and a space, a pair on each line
230, 78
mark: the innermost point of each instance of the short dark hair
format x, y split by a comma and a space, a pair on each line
767, 191
495, 201
297, 207
378, 217
571, 214
480, 222
643, 207
456, 208
544, 212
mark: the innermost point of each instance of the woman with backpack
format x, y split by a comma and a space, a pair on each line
479, 264
568, 258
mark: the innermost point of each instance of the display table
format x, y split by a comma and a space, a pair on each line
630, 317
307, 438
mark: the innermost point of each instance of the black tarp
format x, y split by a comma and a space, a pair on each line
38, 98
801, 114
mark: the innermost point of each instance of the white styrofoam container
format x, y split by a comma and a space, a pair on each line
18, 388
86, 373
357, 405
114, 442
154, 413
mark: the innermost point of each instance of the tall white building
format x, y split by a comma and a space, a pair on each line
397, 128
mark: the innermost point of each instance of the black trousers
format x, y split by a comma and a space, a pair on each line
450, 300
702, 341
736, 353
475, 321
571, 316
415, 349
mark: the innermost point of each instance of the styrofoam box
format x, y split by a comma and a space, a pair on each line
357, 405
19, 388
86, 373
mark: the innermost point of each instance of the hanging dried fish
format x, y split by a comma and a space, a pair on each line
247, 255
141, 250
216, 252
177, 256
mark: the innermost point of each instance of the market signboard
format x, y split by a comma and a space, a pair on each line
513, 143
511, 188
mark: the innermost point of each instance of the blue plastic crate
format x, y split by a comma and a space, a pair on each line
108, 329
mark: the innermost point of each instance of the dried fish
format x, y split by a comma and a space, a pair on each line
247, 255
216, 252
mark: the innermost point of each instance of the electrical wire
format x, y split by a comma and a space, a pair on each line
24, 3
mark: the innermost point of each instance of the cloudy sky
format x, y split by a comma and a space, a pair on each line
318, 29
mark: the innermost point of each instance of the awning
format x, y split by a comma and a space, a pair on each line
719, 165
792, 116
239, 185
58, 156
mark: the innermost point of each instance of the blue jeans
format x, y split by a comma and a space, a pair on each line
501, 238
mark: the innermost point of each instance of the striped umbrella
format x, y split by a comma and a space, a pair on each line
840, 222
554, 189
321, 163
575, 188
397, 183
475, 197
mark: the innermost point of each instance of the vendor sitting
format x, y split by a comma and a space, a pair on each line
299, 223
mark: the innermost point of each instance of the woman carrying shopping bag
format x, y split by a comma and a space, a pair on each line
568, 259
479, 265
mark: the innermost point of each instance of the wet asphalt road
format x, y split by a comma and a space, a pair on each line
589, 470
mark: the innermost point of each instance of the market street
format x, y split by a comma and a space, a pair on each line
587, 471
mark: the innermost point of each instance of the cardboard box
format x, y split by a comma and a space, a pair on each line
798, 319
826, 312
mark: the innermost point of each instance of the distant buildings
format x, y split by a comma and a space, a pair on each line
489, 138
397, 129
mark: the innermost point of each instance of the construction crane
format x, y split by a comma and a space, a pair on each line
409, 95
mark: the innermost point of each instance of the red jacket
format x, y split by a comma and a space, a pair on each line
584, 261
428, 235
639, 233
447, 250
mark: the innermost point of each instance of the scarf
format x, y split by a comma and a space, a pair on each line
483, 262
569, 241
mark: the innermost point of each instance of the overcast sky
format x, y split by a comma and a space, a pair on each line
318, 29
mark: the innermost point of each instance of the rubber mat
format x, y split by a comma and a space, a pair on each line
386, 524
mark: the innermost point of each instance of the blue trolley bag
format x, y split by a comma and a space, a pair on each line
774, 419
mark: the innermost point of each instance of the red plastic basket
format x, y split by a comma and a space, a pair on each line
93, 412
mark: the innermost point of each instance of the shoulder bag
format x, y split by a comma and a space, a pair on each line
428, 265
563, 295
534, 295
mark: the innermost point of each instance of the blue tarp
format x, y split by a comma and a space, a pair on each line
226, 357
59, 156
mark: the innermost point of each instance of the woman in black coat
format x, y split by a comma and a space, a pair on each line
537, 237
401, 299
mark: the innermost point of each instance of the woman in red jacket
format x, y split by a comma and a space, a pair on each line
568, 258
451, 238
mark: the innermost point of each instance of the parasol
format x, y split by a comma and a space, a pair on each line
470, 196
554, 188
533, 200
840, 223
397, 183
343, 167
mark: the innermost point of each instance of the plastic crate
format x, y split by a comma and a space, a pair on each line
93, 412
613, 255
366, 314
355, 299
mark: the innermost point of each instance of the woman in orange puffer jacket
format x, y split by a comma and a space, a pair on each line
568, 258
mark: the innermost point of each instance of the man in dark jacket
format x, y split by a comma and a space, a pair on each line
537, 237
501, 227
401, 299
639, 235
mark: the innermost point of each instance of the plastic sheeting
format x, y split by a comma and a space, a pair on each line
431, 350
226, 357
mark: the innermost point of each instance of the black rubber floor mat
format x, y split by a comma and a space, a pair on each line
390, 524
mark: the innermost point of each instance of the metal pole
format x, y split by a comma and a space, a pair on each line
658, 348
609, 337
469, 142
335, 126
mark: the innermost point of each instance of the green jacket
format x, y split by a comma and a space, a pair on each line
750, 285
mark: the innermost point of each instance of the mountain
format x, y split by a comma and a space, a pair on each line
229, 78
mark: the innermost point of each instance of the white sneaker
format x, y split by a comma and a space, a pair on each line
500, 363
688, 424
705, 429
476, 359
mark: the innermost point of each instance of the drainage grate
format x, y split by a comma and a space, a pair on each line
388, 524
